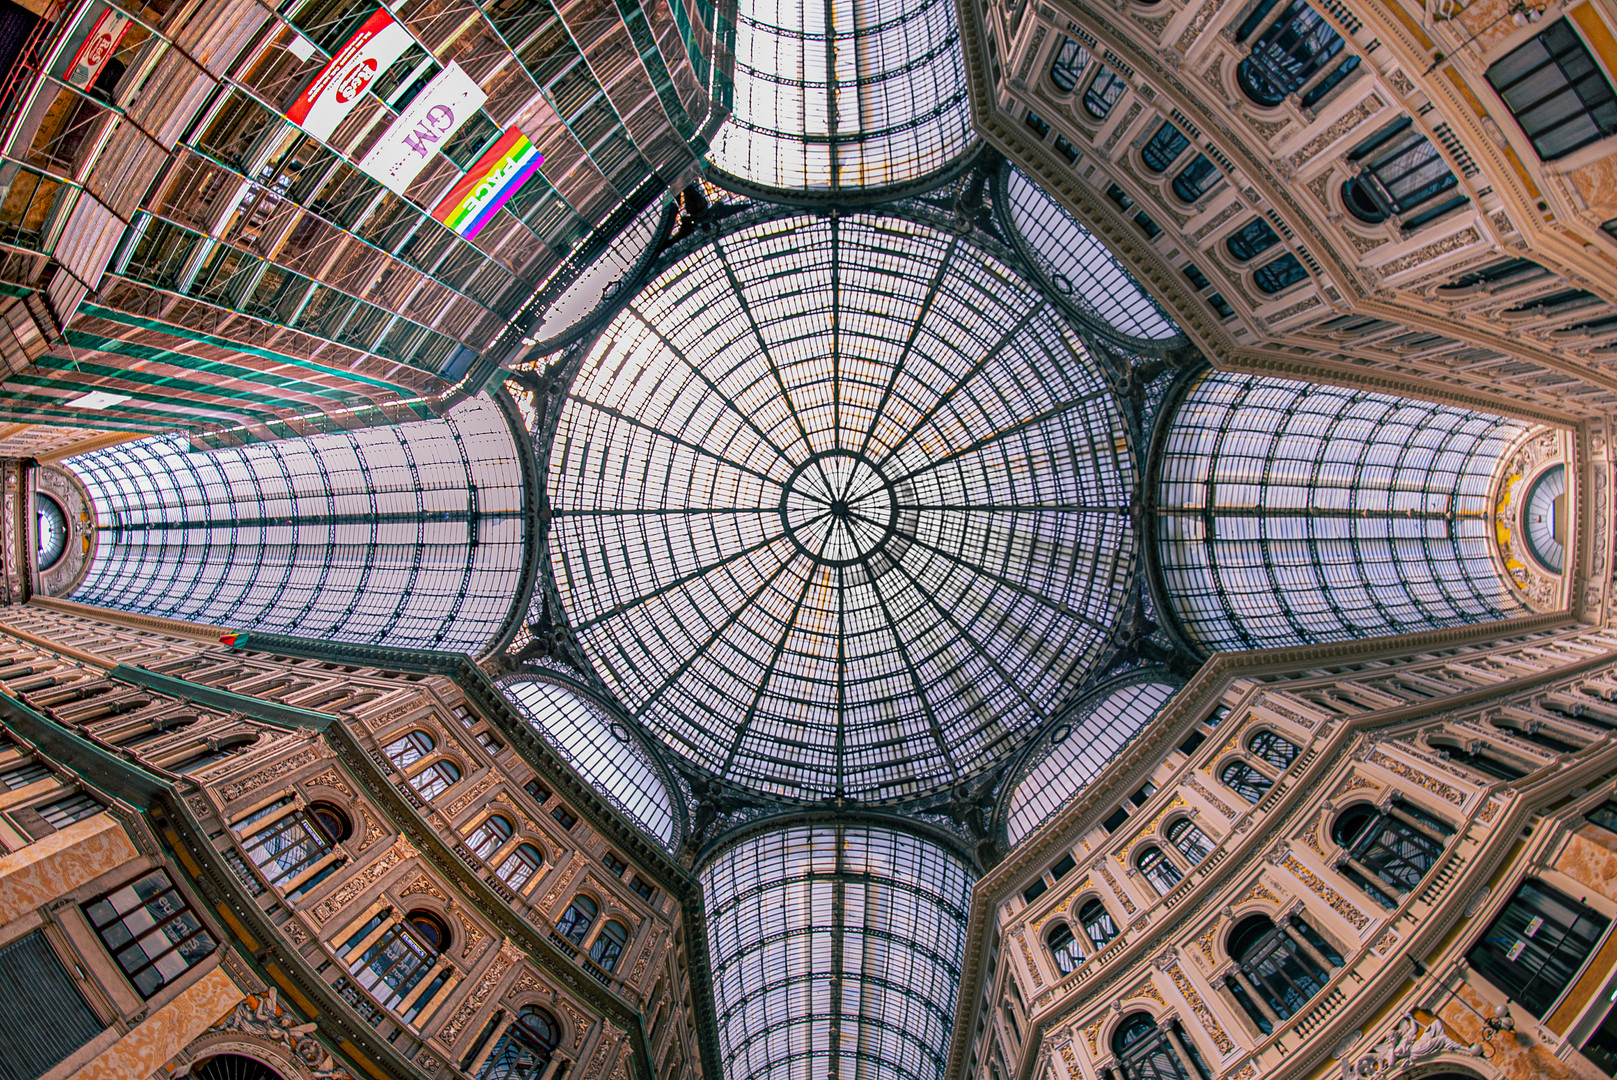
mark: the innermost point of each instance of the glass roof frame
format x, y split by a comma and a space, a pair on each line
564, 369
1225, 619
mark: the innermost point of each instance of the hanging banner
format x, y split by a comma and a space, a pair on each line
437, 112
335, 91
488, 184
98, 48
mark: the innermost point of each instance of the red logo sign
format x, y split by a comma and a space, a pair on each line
355, 79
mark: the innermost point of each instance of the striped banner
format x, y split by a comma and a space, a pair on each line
498, 174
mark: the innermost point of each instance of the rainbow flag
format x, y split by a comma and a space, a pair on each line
496, 177
237, 640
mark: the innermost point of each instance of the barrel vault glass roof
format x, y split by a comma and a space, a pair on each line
832, 94
410, 536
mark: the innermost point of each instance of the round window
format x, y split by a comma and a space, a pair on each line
51, 532
1544, 518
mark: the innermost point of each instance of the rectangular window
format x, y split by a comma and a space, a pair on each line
1222, 306
1536, 945
64, 812
564, 817
1115, 822
150, 930
52, 1012
540, 793
1194, 275
644, 888
1604, 815
614, 864
1557, 91
1037, 124
1063, 866
1034, 891
20, 776
1067, 150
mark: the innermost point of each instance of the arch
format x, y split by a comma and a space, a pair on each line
1277, 974
1163, 148
525, 1047
1274, 749
1251, 240
607, 949
1245, 781
234, 1067
430, 928
489, 835
1158, 869
1104, 92
576, 921
332, 820
436, 778
1280, 274
196, 536
1386, 851
1291, 50
1190, 841
1097, 922
1064, 948
1291, 513
409, 748
520, 866
1196, 179
1068, 64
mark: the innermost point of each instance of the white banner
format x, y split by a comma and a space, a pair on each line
335, 91
404, 149
98, 47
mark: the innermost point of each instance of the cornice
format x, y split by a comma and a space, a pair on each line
1173, 725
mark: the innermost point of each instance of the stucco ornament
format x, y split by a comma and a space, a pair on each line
264, 1017
1408, 1043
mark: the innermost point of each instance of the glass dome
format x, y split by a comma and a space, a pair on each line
840, 508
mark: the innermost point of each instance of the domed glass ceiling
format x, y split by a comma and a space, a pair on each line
840, 507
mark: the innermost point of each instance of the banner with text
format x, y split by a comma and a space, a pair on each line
91, 59
404, 149
335, 91
497, 175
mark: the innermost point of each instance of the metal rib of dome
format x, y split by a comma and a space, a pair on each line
840, 508
846, 94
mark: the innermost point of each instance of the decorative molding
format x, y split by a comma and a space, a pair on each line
367, 876
1204, 1015
1405, 771
1336, 900
233, 791
1338, 128
496, 970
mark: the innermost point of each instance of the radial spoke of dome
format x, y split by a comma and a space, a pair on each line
659, 433
712, 387
1015, 586
763, 346
729, 621
769, 669
842, 680
1017, 428
988, 357
966, 636
914, 673
680, 582
836, 306
932, 290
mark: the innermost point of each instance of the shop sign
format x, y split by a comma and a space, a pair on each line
336, 90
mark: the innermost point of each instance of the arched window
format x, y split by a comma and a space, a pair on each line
390, 959
406, 750
291, 845
1246, 781
1388, 849
1191, 841
524, 1050
1064, 948
233, 1067
1251, 240
1291, 51
1164, 146
1277, 971
1103, 92
609, 945
1069, 64
1402, 173
486, 839
1159, 870
435, 779
1482, 760
520, 866
1146, 1050
576, 921
1275, 750
1279, 274
1196, 179
1097, 923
